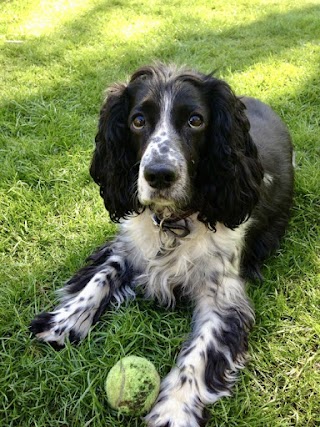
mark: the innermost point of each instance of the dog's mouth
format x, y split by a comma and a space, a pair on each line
166, 208
166, 200
159, 202
171, 218
167, 204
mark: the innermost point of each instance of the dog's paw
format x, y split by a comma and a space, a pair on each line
170, 412
72, 321
178, 404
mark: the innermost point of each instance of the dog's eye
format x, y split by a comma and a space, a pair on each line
195, 121
138, 122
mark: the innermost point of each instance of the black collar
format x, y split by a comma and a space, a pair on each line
178, 227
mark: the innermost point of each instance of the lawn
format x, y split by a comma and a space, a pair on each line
56, 58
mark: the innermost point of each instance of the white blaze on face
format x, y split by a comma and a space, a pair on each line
164, 147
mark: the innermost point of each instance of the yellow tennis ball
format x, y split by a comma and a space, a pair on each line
132, 385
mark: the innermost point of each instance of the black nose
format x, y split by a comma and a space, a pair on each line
160, 176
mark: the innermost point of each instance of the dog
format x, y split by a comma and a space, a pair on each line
201, 182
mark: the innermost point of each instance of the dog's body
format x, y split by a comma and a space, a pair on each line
201, 182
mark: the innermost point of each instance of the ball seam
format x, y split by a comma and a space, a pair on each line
122, 385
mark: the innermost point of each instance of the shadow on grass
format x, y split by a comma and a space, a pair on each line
233, 48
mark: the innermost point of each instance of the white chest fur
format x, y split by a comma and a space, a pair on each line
166, 262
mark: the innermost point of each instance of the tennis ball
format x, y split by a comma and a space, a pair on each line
132, 385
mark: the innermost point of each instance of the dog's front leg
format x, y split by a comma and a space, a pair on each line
85, 296
207, 365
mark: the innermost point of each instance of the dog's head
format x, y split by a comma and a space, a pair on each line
176, 141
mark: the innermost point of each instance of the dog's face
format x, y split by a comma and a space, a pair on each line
168, 120
176, 141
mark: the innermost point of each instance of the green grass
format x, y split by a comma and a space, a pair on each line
56, 59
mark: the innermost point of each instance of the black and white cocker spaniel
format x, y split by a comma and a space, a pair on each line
201, 183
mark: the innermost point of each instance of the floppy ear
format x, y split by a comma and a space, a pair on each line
230, 171
113, 165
